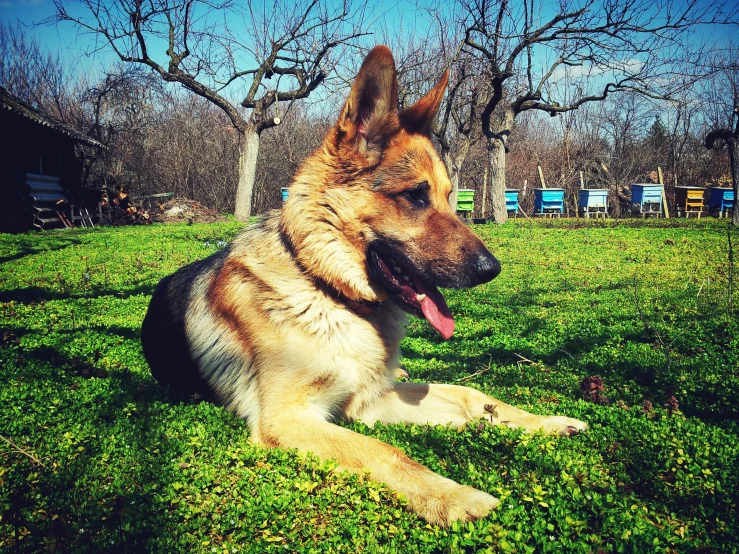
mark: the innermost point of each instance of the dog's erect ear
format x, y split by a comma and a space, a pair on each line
370, 115
419, 118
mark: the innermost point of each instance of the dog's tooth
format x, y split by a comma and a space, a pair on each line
420, 298
396, 268
408, 279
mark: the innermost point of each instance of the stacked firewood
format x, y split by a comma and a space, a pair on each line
119, 210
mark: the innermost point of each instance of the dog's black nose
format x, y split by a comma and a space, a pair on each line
487, 267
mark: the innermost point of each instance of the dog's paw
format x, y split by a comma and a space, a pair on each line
560, 425
469, 504
455, 503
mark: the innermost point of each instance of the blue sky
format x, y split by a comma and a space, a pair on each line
91, 56
82, 49
63, 38
83, 53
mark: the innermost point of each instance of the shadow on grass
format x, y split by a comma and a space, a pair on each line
27, 249
38, 294
96, 506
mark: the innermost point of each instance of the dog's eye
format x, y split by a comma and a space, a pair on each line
418, 195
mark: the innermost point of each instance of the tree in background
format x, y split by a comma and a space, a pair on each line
557, 59
270, 54
724, 97
33, 74
456, 127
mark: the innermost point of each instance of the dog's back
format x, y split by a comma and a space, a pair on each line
163, 332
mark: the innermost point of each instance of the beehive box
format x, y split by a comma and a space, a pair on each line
689, 200
511, 200
593, 202
721, 201
593, 198
647, 199
465, 200
549, 201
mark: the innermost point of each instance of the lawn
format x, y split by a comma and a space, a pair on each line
95, 456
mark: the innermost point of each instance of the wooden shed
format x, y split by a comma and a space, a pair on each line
40, 175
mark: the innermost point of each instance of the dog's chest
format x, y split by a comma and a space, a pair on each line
353, 362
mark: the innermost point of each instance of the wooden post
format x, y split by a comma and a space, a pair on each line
664, 197
541, 177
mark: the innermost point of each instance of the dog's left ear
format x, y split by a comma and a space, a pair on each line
370, 115
419, 118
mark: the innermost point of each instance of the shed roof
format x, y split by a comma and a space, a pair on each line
14, 104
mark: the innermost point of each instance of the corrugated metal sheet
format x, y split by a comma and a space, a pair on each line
14, 104
41, 196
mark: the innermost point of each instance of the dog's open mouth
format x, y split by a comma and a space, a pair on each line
413, 293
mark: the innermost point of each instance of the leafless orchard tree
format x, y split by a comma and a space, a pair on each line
269, 54
622, 121
456, 129
32, 73
112, 110
724, 115
557, 59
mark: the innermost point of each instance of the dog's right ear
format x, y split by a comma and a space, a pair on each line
370, 115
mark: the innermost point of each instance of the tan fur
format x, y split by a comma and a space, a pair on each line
300, 338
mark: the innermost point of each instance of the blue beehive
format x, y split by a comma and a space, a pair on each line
721, 200
593, 201
283, 190
647, 199
549, 201
511, 200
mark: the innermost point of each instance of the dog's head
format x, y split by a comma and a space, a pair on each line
369, 213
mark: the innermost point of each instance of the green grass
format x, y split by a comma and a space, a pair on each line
95, 456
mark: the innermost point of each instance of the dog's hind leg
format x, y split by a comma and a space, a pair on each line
451, 404
435, 498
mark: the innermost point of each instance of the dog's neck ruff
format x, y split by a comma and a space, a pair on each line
362, 308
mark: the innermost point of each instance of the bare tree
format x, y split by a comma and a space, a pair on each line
724, 116
581, 51
456, 127
32, 73
267, 54
111, 110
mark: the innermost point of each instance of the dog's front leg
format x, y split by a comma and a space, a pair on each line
435, 498
451, 404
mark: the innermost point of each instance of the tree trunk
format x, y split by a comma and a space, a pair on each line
247, 174
496, 162
454, 168
733, 146
453, 172
497, 129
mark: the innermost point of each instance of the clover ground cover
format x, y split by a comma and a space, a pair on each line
94, 456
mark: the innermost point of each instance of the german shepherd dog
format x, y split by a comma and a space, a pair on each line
298, 321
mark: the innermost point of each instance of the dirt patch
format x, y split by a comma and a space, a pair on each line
181, 210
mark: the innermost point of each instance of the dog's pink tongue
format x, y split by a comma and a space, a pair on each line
435, 309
